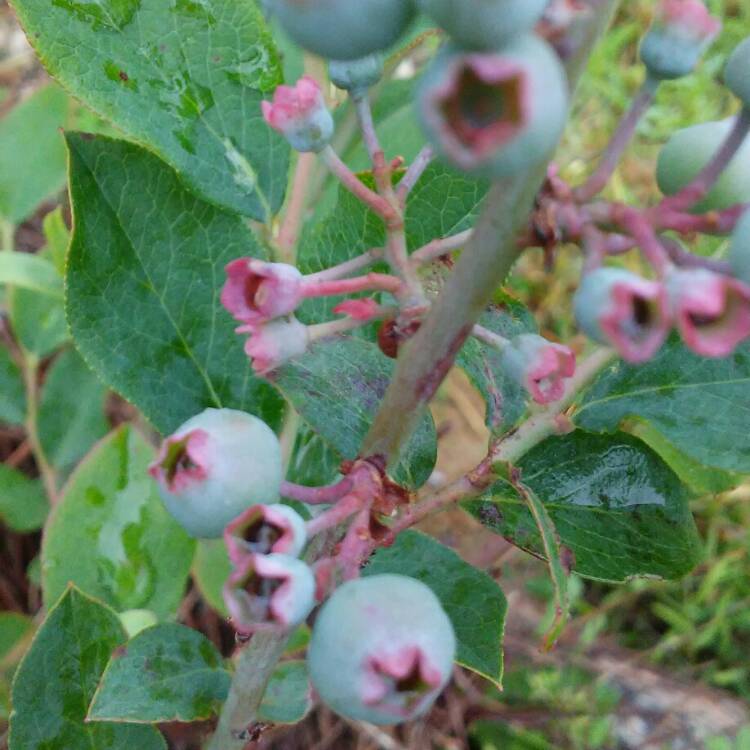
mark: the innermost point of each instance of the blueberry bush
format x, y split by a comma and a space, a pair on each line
290, 221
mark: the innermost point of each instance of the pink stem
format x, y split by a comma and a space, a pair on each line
377, 281
713, 222
489, 337
366, 124
334, 327
355, 186
706, 179
686, 259
619, 142
292, 223
356, 545
638, 226
344, 508
438, 248
317, 495
415, 171
348, 266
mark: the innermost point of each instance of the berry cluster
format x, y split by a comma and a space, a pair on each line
391, 643
492, 103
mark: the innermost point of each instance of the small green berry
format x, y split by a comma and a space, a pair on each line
215, 466
737, 72
689, 150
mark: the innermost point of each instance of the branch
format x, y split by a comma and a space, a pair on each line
482, 267
543, 424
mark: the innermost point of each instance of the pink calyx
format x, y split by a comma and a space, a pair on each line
182, 461
637, 320
712, 311
546, 376
398, 681
293, 103
483, 104
689, 18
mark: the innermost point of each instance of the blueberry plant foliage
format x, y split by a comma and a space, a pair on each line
278, 270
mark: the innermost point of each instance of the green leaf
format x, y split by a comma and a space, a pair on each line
314, 462
443, 203
472, 600
143, 287
58, 238
699, 405
505, 398
168, 672
211, 568
71, 420
701, 479
618, 508
287, 699
111, 535
185, 79
57, 679
554, 553
38, 322
32, 155
13, 401
30, 272
495, 735
23, 503
337, 387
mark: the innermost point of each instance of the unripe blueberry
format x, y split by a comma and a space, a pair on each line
711, 311
382, 649
263, 529
300, 114
215, 466
484, 24
269, 592
356, 75
736, 75
256, 290
689, 150
494, 114
540, 366
739, 250
618, 308
681, 31
273, 343
343, 29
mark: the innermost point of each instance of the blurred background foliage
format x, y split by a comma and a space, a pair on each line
697, 629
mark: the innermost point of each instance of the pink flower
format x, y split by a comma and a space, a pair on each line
712, 311
269, 592
300, 114
540, 366
256, 290
273, 343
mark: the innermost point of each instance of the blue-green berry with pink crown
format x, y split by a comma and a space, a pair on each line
382, 649
494, 114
